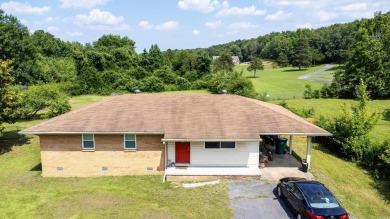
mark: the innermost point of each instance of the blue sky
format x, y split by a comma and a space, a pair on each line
180, 24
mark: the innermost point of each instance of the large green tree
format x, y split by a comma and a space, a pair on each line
302, 53
369, 59
224, 63
255, 64
7, 96
16, 45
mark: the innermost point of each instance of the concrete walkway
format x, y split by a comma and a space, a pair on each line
307, 76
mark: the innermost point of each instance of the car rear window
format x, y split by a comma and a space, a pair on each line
318, 196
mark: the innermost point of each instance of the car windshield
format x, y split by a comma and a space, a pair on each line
318, 196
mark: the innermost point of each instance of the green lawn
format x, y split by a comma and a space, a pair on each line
354, 188
331, 107
25, 194
280, 83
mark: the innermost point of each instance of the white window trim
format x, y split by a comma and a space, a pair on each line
124, 142
93, 140
204, 146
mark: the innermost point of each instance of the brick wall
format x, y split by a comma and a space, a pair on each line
62, 156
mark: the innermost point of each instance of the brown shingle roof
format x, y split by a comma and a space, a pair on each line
181, 116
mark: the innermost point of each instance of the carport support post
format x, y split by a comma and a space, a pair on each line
291, 143
308, 151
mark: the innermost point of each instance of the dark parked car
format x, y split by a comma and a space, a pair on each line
309, 199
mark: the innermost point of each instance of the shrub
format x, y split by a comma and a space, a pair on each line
182, 83
232, 82
152, 84
46, 99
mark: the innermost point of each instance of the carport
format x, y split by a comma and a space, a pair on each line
282, 160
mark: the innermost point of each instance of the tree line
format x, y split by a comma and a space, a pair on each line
363, 46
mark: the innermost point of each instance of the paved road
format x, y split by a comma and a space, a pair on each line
257, 199
307, 76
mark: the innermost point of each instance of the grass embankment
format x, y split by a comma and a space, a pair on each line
280, 83
354, 188
25, 194
331, 107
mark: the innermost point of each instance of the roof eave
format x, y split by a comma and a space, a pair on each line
91, 132
322, 134
210, 139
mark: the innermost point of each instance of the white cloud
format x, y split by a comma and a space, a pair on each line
225, 4
236, 11
52, 28
354, 6
51, 19
169, 25
81, 3
101, 20
145, 25
305, 25
242, 25
214, 25
203, 6
325, 16
288, 2
74, 33
279, 15
196, 32
23, 8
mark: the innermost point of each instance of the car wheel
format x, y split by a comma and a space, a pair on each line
279, 190
299, 216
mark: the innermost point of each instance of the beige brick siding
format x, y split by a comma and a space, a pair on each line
65, 151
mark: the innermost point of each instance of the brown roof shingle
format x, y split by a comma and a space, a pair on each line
181, 116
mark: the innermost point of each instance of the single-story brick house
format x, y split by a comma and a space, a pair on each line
138, 134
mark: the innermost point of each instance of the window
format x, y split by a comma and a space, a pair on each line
228, 144
88, 142
130, 141
220, 145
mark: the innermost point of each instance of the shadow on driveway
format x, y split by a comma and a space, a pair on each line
257, 199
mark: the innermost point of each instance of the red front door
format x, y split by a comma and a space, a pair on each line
182, 152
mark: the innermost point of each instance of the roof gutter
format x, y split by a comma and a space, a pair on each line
299, 134
210, 139
103, 133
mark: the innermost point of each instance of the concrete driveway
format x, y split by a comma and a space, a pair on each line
257, 199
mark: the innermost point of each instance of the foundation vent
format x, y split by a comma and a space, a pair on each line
104, 168
60, 168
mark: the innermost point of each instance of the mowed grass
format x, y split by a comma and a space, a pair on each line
353, 187
331, 107
25, 194
280, 83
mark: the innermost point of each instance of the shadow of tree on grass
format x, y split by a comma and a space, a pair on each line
12, 138
294, 70
386, 114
